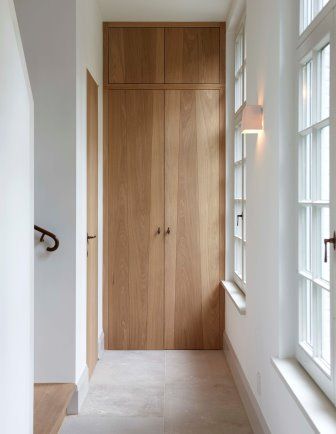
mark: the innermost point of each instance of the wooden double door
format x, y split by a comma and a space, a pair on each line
164, 203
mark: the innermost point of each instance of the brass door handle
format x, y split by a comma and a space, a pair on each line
168, 231
326, 242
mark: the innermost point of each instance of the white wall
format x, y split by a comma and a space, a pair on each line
62, 40
16, 223
89, 54
48, 35
267, 329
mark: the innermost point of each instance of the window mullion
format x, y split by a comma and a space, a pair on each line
315, 192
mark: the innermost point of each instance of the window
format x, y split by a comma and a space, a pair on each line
314, 203
240, 69
308, 11
239, 208
239, 193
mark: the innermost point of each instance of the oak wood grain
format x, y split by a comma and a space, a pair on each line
136, 251
136, 55
50, 404
192, 55
165, 86
192, 213
194, 75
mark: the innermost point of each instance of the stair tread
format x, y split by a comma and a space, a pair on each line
50, 404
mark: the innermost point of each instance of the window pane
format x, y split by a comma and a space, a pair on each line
305, 245
325, 326
244, 221
306, 311
309, 10
306, 13
238, 257
238, 223
244, 186
244, 260
325, 81
238, 145
245, 78
238, 91
306, 95
305, 168
238, 52
324, 233
238, 181
323, 157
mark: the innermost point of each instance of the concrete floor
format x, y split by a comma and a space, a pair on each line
160, 392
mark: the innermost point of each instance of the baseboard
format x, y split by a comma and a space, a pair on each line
101, 345
82, 388
256, 418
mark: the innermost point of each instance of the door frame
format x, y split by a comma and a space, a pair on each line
222, 147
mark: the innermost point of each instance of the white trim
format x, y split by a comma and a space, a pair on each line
316, 21
236, 295
101, 345
321, 33
316, 407
82, 388
236, 11
256, 418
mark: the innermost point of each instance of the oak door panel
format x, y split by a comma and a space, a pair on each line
192, 215
136, 55
192, 55
92, 223
136, 211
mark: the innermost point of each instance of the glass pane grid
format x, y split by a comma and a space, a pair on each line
309, 9
324, 82
314, 212
306, 95
240, 69
239, 218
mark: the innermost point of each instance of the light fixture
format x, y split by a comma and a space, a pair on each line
252, 119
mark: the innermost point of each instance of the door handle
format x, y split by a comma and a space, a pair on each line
158, 230
168, 231
326, 242
91, 237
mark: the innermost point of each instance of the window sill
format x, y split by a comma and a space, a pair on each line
236, 295
316, 407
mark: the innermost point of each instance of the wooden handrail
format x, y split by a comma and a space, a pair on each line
44, 233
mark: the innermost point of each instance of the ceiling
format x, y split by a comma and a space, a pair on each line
164, 10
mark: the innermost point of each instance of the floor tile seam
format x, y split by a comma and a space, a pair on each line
164, 392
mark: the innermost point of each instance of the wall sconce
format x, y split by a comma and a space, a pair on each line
252, 119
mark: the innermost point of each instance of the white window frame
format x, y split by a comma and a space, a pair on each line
320, 32
240, 67
308, 15
239, 206
239, 162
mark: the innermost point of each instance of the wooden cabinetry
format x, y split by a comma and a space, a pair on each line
192, 55
136, 55
163, 185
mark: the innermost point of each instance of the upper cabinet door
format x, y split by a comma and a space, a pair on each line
136, 55
192, 55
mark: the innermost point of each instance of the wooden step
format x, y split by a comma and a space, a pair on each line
50, 404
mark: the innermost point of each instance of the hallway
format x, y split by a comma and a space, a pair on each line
154, 392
